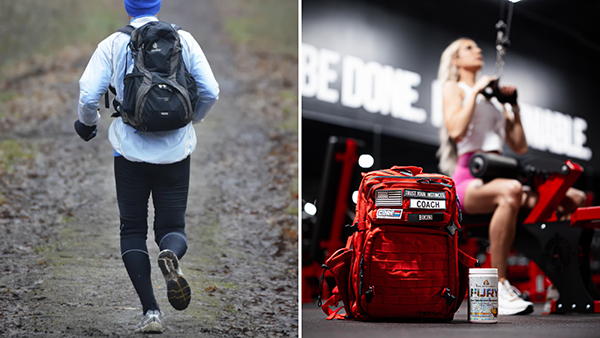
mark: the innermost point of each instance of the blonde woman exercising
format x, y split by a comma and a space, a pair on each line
473, 123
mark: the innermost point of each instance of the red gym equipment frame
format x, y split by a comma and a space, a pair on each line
559, 249
348, 159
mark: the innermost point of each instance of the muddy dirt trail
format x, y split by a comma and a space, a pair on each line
62, 275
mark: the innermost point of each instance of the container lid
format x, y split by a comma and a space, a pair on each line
479, 271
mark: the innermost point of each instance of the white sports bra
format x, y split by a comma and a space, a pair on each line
486, 130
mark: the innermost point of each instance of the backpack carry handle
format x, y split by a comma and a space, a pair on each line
403, 170
414, 170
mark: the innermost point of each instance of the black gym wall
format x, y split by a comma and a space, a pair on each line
552, 60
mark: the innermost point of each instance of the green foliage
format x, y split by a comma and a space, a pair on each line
12, 152
292, 210
289, 101
7, 95
35, 26
289, 95
268, 26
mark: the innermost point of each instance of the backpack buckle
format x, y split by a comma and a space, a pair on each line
370, 294
452, 229
448, 296
117, 105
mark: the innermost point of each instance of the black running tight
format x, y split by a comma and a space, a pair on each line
169, 186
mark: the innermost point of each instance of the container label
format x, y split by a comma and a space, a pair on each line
483, 299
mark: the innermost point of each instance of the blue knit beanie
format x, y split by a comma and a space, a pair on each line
137, 8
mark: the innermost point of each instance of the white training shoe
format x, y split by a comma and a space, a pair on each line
509, 303
150, 323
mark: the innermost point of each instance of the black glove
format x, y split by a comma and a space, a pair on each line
85, 132
490, 90
494, 90
512, 98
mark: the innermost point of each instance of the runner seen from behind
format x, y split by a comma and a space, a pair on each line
163, 84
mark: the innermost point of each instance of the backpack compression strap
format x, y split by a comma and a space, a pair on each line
334, 300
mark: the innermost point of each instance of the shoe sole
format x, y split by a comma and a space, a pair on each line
528, 310
150, 328
178, 289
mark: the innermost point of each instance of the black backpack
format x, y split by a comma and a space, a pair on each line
159, 94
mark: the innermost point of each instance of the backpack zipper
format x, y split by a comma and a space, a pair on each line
351, 273
360, 283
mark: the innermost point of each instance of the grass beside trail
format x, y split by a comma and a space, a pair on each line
32, 33
34, 28
12, 152
264, 26
270, 27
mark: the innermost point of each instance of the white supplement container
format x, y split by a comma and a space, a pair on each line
483, 296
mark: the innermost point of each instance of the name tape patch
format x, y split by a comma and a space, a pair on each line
388, 197
389, 214
438, 195
437, 217
427, 204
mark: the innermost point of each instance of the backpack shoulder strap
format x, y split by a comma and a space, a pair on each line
112, 90
127, 29
176, 27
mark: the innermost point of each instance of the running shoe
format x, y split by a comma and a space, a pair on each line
178, 289
509, 303
150, 323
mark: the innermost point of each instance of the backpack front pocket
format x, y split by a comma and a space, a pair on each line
406, 273
164, 108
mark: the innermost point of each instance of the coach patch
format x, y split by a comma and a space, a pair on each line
427, 204
389, 214
388, 197
437, 217
438, 195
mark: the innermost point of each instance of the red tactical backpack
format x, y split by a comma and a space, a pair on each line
402, 262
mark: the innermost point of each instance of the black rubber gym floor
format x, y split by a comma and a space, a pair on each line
533, 325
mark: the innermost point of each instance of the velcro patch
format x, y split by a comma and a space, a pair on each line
388, 197
437, 195
437, 217
389, 214
427, 204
